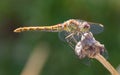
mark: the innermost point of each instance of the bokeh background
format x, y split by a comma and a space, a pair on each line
43, 53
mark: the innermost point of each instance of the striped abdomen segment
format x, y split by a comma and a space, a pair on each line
55, 28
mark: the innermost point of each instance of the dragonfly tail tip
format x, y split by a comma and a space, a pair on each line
17, 30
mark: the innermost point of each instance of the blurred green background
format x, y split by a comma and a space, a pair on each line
17, 48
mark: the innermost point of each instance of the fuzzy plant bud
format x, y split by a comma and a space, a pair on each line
88, 46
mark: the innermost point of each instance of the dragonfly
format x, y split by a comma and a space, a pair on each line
70, 30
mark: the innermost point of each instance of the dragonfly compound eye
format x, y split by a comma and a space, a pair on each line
86, 25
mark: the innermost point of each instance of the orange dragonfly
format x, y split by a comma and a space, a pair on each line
70, 31
70, 28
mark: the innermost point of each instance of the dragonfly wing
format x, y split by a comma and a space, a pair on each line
71, 40
96, 28
105, 54
63, 34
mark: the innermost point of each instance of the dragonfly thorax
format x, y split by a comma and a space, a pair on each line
76, 26
72, 28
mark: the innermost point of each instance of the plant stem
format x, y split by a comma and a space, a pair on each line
106, 64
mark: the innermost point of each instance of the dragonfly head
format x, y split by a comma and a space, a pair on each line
84, 27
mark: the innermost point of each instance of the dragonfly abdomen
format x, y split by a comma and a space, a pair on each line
55, 28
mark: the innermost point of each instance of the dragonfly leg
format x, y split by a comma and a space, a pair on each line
71, 40
75, 40
71, 45
71, 37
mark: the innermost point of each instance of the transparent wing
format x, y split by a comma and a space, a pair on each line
72, 40
105, 54
96, 28
63, 34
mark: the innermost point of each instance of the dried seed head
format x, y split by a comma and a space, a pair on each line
88, 46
